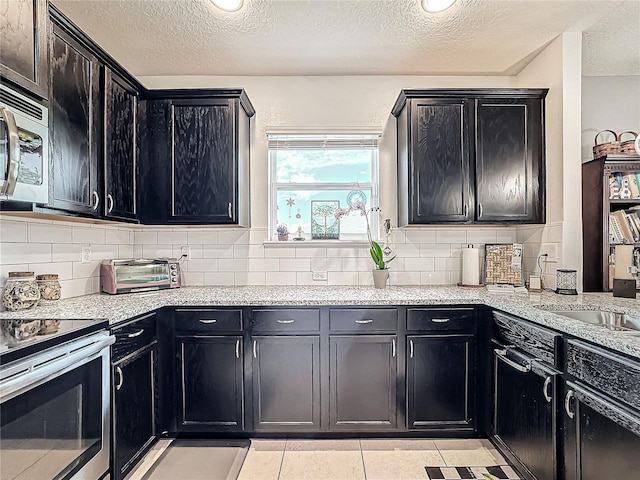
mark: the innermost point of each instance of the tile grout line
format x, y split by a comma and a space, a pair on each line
284, 450
364, 468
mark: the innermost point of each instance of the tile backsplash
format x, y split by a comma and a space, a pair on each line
233, 256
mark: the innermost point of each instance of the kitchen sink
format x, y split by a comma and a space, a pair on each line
611, 320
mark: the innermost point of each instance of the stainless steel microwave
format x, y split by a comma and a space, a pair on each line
24, 148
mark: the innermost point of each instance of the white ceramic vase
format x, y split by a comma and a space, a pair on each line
380, 277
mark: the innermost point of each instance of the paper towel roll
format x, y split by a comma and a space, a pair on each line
471, 266
624, 259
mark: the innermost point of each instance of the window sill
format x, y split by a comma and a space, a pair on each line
314, 243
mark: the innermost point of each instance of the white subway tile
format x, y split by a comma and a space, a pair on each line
407, 249
204, 265
12, 231
434, 278
233, 264
447, 264
280, 278
137, 251
356, 264
196, 251
343, 278
264, 264
49, 233
241, 251
116, 237
331, 264
255, 278
419, 235
207, 237
219, 278
554, 233
311, 252
63, 269
125, 251
174, 238
305, 278
16, 267
404, 278
157, 251
192, 279
506, 235
93, 235
66, 252
342, 252
295, 265
365, 278
25, 253
481, 235
104, 252
451, 236
257, 236
145, 238
217, 251
435, 250
422, 264
232, 237
78, 287
455, 277
84, 270
280, 252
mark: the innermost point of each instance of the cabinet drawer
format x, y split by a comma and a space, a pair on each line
286, 320
133, 336
208, 320
363, 319
537, 341
607, 371
456, 319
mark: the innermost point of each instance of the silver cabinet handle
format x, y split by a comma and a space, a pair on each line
545, 389
290, 320
410, 348
466, 210
135, 334
13, 157
567, 404
255, 354
120, 378
96, 199
439, 320
109, 203
237, 348
208, 320
229, 212
502, 355
393, 347
367, 320
479, 210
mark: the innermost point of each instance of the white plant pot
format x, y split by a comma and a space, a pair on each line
380, 277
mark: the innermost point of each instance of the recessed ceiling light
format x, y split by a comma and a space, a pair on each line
228, 5
435, 6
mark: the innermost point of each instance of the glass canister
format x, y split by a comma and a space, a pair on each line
566, 281
49, 286
21, 291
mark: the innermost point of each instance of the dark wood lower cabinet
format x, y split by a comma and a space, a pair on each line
286, 383
134, 411
210, 383
601, 437
440, 387
362, 382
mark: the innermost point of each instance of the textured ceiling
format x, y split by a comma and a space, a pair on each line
355, 37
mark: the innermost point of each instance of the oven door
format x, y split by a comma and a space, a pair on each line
24, 149
55, 413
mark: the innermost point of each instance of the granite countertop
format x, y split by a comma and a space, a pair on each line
531, 307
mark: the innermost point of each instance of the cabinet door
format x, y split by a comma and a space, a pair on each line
120, 159
510, 184
286, 383
362, 386
602, 438
74, 126
134, 412
210, 389
203, 163
438, 175
524, 414
23, 36
440, 383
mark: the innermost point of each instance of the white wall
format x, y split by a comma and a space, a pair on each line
611, 103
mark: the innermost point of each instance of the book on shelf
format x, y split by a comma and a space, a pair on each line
623, 226
614, 187
631, 182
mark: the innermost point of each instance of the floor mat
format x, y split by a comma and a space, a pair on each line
200, 460
457, 473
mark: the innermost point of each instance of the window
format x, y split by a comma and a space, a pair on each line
317, 181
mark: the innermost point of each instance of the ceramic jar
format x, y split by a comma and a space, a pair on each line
48, 326
18, 331
21, 291
49, 287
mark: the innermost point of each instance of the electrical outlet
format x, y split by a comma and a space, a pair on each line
550, 250
319, 275
86, 255
185, 252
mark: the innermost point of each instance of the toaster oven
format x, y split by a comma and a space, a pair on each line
139, 275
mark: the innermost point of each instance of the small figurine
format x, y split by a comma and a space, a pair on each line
299, 233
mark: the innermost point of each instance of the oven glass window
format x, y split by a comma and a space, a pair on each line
31, 156
141, 273
53, 430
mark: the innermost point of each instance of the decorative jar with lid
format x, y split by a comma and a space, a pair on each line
49, 286
21, 291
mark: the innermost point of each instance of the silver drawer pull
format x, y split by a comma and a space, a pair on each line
208, 320
567, 404
393, 347
286, 321
367, 320
502, 355
255, 353
440, 320
120, 378
411, 348
237, 348
545, 389
136, 334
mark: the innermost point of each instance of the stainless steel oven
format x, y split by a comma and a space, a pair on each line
55, 412
24, 148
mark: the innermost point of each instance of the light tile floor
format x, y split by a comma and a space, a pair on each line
365, 459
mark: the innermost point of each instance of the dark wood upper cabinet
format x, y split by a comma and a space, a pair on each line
75, 120
471, 156
120, 142
196, 168
23, 36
